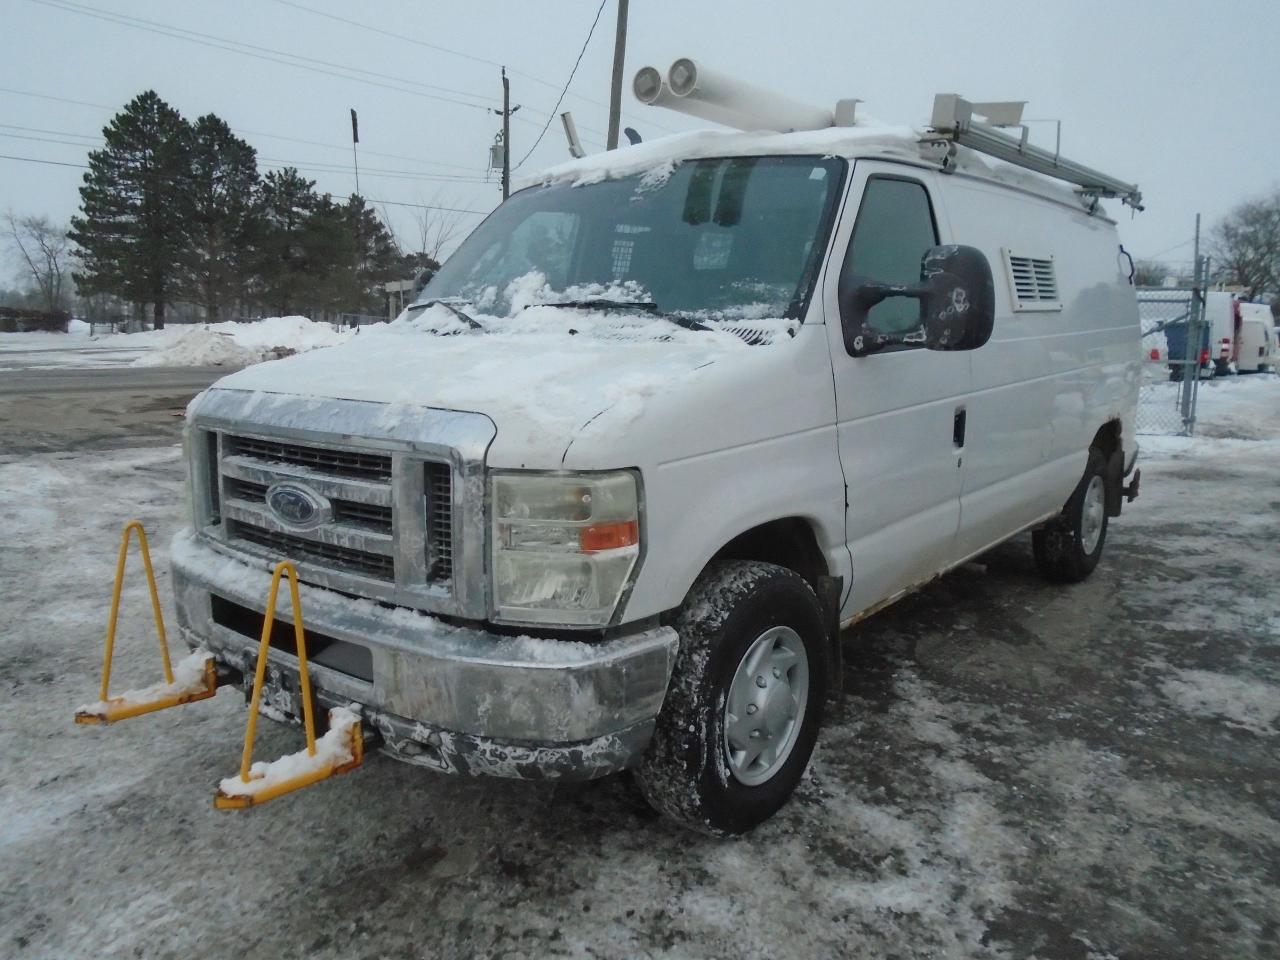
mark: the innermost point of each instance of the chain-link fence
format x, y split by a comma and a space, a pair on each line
1176, 355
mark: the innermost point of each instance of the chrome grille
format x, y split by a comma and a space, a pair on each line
439, 488
314, 551
338, 463
388, 521
368, 515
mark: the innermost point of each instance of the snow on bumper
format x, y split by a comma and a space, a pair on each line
457, 698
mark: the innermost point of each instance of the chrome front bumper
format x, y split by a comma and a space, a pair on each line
460, 699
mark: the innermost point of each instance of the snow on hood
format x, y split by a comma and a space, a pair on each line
543, 375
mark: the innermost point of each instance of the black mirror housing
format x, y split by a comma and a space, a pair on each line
960, 312
957, 304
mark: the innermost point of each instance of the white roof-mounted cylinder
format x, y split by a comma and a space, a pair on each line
709, 95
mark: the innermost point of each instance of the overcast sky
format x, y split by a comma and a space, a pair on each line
1180, 97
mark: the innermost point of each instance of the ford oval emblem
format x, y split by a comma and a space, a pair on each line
297, 506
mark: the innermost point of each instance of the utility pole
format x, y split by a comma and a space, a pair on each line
615, 92
500, 149
506, 135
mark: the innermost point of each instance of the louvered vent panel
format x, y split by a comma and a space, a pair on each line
1046, 282
1033, 281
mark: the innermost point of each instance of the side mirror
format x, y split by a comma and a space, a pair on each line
957, 304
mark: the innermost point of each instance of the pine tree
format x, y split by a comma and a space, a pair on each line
329, 260
285, 201
224, 216
377, 259
132, 234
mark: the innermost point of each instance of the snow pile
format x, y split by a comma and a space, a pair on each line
200, 347
188, 680
333, 750
237, 344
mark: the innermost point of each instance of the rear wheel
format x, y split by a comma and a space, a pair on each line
1069, 546
745, 701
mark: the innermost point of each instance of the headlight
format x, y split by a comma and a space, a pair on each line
564, 546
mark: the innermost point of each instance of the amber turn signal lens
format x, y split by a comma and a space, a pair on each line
608, 536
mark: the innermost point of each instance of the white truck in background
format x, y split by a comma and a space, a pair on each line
669, 419
1257, 349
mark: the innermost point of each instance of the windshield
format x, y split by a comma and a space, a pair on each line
730, 238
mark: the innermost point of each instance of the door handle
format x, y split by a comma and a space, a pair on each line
957, 427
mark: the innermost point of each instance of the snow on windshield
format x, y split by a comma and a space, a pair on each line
720, 238
612, 311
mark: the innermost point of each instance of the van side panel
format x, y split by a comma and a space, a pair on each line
737, 445
1050, 376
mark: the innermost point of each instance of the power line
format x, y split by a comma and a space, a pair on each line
319, 166
457, 53
46, 96
69, 143
551, 116
234, 46
343, 147
267, 54
1170, 249
51, 163
271, 55
239, 130
56, 133
334, 196
323, 167
389, 33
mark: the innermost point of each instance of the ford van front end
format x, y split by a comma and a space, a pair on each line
423, 576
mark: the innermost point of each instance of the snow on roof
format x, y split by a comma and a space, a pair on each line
869, 138
860, 140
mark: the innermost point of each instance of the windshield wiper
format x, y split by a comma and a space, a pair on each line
644, 306
601, 303
461, 314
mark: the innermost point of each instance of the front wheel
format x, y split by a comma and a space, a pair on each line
1069, 546
745, 701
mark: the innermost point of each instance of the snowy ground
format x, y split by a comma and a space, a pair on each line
1016, 770
178, 345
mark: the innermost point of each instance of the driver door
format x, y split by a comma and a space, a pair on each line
899, 412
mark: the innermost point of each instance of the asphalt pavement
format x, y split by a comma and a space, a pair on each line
1016, 769
106, 408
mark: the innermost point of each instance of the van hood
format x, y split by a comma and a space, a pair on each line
541, 389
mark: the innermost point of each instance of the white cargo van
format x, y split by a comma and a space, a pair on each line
664, 423
1257, 350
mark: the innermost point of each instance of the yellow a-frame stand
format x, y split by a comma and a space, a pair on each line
344, 743
199, 683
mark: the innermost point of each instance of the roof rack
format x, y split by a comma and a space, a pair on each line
954, 121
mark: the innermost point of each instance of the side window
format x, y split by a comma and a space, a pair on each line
895, 227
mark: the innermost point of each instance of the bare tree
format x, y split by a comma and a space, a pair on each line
437, 228
1246, 246
1150, 273
44, 250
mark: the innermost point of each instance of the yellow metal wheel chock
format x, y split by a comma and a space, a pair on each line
339, 750
193, 679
